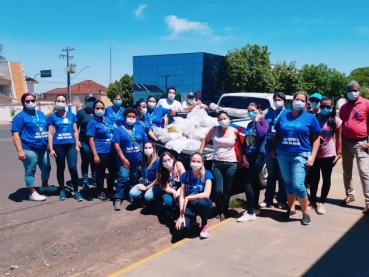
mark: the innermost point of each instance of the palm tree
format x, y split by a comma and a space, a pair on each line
2, 58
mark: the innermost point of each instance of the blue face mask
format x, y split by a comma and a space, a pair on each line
252, 115
326, 111
117, 103
90, 105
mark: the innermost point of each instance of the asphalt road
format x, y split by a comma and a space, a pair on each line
5, 131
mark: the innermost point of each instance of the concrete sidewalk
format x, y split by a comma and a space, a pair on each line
335, 244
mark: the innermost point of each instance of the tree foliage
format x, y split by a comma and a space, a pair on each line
360, 75
287, 78
123, 87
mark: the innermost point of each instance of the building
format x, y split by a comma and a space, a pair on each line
13, 83
201, 73
79, 91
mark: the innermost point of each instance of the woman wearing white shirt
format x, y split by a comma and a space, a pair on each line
169, 102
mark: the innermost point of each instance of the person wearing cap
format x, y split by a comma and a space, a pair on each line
315, 99
115, 112
354, 115
191, 103
83, 117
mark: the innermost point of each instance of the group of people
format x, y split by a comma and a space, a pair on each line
121, 140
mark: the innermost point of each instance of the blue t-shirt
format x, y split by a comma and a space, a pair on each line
254, 142
115, 117
156, 115
272, 118
150, 175
63, 127
146, 122
102, 133
32, 129
194, 185
130, 150
295, 132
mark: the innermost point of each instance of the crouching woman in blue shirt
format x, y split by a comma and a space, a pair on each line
100, 132
128, 139
296, 143
194, 196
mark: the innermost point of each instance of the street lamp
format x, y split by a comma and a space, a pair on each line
80, 71
69, 91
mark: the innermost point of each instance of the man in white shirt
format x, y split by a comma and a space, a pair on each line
169, 102
191, 103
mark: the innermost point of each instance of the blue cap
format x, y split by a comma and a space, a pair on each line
316, 95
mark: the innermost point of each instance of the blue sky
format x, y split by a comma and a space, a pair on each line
309, 32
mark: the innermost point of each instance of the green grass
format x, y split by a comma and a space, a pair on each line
236, 203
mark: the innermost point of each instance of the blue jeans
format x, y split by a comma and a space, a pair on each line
293, 171
128, 177
86, 160
150, 195
33, 158
169, 202
274, 173
66, 152
201, 207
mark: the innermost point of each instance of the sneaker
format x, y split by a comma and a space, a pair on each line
347, 200
281, 205
77, 195
36, 197
85, 186
265, 205
222, 217
289, 214
312, 206
102, 197
62, 195
117, 204
48, 189
217, 216
320, 209
204, 233
305, 219
247, 217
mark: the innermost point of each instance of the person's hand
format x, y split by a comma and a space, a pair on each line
364, 146
140, 187
158, 140
53, 154
310, 161
239, 165
176, 193
21, 155
273, 155
96, 159
259, 117
126, 163
339, 156
173, 111
246, 164
198, 102
181, 220
79, 144
77, 148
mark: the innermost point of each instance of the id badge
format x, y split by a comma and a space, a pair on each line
273, 129
41, 129
65, 121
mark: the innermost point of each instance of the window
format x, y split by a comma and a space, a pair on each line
178, 69
169, 59
161, 70
136, 61
198, 57
144, 60
178, 59
153, 60
243, 102
197, 69
161, 60
188, 68
188, 59
136, 70
153, 70
145, 70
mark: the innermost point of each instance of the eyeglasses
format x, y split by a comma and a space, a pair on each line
30, 101
307, 104
99, 108
323, 106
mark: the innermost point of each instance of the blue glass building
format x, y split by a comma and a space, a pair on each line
201, 73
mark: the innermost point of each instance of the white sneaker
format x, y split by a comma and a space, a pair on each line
36, 197
256, 212
320, 209
247, 217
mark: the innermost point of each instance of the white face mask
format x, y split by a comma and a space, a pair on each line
99, 113
224, 122
298, 105
148, 151
60, 106
151, 105
143, 111
131, 121
171, 96
191, 101
168, 164
278, 104
196, 166
30, 106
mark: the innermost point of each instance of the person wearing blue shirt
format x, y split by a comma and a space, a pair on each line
115, 112
128, 141
144, 119
296, 143
253, 159
155, 113
148, 186
29, 131
274, 172
194, 197
100, 132
63, 143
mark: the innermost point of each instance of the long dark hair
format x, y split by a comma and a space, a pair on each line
163, 172
331, 122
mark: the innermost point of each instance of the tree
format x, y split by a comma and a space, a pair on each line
361, 75
248, 69
2, 58
287, 78
123, 87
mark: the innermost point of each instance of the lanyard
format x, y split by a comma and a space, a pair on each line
115, 114
172, 178
276, 117
129, 130
105, 126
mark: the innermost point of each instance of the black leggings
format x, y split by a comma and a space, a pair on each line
326, 166
107, 161
66, 152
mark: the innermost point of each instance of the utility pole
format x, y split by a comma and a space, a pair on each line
69, 70
110, 41
166, 81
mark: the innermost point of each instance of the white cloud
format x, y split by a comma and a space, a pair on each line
223, 38
180, 25
228, 29
139, 11
363, 30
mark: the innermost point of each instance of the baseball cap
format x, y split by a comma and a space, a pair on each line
190, 94
316, 95
90, 96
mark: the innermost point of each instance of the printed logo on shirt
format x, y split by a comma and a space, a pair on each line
291, 128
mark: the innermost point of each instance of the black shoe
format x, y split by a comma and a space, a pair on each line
102, 197
289, 214
305, 219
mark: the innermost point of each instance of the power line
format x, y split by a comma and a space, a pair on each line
70, 69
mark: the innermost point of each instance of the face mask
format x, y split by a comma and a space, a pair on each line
168, 164
148, 152
143, 111
99, 113
90, 105
224, 122
326, 111
130, 121
151, 105
315, 105
191, 101
298, 105
252, 114
278, 104
171, 96
196, 166
60, 106
30, 106
353, 95
117, 103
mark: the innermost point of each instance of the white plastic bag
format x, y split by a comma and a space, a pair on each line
196, 115
192, 145
179, 144
209, 122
